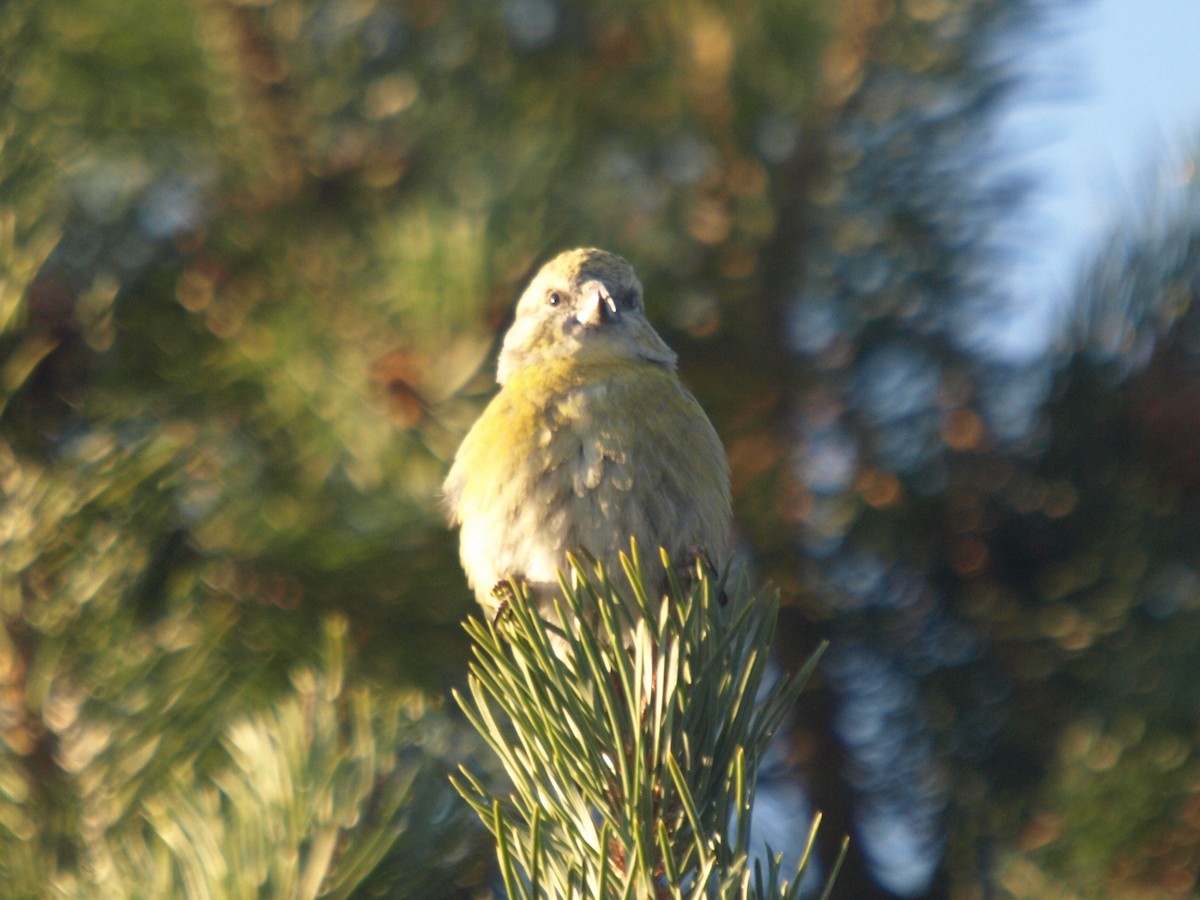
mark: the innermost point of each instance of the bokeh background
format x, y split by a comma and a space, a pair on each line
254, 259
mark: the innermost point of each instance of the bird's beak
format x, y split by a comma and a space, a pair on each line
601, 308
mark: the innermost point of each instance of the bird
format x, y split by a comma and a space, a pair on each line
591, 440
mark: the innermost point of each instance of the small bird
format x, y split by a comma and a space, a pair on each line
591, 440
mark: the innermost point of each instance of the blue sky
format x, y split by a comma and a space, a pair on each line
1110, 107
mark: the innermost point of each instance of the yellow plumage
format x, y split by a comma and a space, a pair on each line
592, 439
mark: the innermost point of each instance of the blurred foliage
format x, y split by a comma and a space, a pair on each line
331, 790
1102, 543
254, 257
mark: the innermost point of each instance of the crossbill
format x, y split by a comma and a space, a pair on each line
591, 440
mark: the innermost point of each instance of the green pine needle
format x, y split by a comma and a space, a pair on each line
631, 732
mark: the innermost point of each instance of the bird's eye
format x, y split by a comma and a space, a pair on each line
554, 299
628, 300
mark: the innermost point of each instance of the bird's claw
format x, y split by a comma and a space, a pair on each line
504, 594
695, 563
694, 558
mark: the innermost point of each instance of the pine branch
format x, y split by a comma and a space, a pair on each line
631, 732
333, 789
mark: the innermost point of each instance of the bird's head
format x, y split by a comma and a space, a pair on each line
584, 303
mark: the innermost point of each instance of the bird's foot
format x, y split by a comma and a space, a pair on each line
695, 563
504, 594
695, 559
